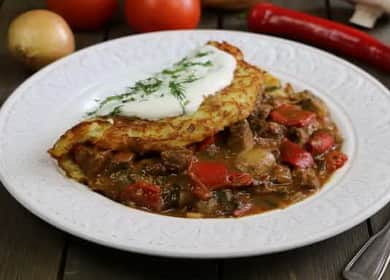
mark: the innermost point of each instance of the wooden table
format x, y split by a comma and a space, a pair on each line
32, 249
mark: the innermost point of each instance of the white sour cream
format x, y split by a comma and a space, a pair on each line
177, 90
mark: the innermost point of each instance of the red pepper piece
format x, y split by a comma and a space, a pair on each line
343, 39
320, 142
209, 176
143, 194
293, 154
335, 160
292, 115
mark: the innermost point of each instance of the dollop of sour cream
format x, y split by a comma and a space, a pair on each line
176, 90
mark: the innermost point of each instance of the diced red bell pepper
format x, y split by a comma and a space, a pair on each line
209, 176
335, 160
143, 194
320, 142
293, 154
292, 115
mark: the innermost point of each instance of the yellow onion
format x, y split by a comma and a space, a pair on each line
39, 37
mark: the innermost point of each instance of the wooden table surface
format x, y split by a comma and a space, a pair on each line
33, 249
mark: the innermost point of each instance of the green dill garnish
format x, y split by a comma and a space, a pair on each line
116, 111
171, 80
177, 90
202, 54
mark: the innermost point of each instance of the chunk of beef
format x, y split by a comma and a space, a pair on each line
150, 166
263, 111
268, 143
281, 175
241, 137
301, 135
91, 160
306, 179
123, 157
273, 130
257, 118
177, 160
120, 160
256, 161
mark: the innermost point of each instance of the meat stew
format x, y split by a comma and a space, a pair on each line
282, 153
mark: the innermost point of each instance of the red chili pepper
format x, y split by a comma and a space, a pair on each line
272, 19
292, 115
143, 194
335, 160
320, 142
293, 154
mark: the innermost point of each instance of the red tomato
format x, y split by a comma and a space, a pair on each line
84, 14
153, 15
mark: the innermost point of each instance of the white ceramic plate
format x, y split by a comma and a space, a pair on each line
56, 98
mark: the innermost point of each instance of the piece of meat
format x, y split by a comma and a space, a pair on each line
256, 161
268, 143
123, 157
241, 137
150, 166
177, 160
91, 160
120, 160
273, 130
306, 178
257, 119
263, 111
301, 135
281, 174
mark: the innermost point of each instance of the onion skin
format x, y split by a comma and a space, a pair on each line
39, 37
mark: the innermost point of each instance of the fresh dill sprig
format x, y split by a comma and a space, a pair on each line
202, 54
177, 90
